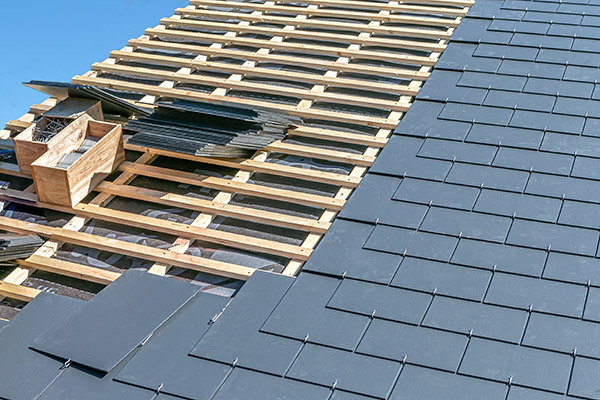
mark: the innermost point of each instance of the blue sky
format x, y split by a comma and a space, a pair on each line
56, 39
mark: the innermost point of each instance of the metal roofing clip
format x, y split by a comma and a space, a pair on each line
574, 353
306, 338
434, 291
66, 364
589, 283
373, 313
344, 274
159, 388
470, 333
234, 363
404, 360
143, 342
510, 380
530, 309
334, 384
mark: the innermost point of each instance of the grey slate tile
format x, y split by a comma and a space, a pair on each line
588, 168
587, 32
528, 5
506, 52
243, 384
539, 28
341, 395
322, 325
583, 215
569, 106
439, 194
473, 30
582, 74
569, 144
488, 177
469, 224
556, 186
381, 301
420, 122
590, 20
362, 206
551, 122
485, 320
537, 16
487, 9
589, 46
592, 306
592, 126
578, 9
541, 41
418, 244
543, 295
571, 268
340, 251
563, 334
481, 114
235, 334
441, 86
519, 393
536, 161
521, 205
586, 378
116, 320
459, 56
445, 279
528, 367
521, 101
402, 214
507, 136
505, 258
492, 81
421, 346
571, 57
353, 372
563, 88
561, 238
463, 152
417, 383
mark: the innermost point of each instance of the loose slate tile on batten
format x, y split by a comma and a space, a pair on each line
116, 320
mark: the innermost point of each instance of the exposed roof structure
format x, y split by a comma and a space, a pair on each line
466, 265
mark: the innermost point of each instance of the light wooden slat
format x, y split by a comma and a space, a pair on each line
338, 136
318, 153
373, 5
17, 292
71, 269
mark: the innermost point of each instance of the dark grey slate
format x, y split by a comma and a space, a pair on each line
551, 122
467, 224
570, 106
521, 101
506, 52
592, 125
481, 114
491, 9
537, 16
592, 305
539, 28
402, 214
541, 41
459, 56
443, 86
589, 46
487, 321
514, 137
492, 81
563, 88
584, 215
362, 206
587, 32
572, 268
569, 144
581, 74
473, 30
557, 186
421, 346
537, 161
585, 167
522, 206
586, 378
528, 5
116, 320
353, 372
519, 393
436, 193
572, 57
423, 124
457, 151
488, 177
342, 395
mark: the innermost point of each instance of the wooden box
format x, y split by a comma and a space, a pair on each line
68, 186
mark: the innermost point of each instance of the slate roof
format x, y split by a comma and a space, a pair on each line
465, 266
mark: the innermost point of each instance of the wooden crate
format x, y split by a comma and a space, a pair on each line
68, 186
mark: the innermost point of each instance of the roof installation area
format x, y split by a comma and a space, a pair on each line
335, 200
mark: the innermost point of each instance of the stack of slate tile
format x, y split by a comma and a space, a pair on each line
13, 247
209, 130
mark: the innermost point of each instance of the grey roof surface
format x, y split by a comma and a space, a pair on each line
465, 265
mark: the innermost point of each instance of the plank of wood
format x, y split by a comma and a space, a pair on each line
71, 269
17, 292
372, 5
319, 153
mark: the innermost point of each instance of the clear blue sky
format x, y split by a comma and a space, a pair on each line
56, 39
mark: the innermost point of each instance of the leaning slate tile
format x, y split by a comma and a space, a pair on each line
586, 378
24, 373
537, 16
519, 393
340, 252
485, 320
571, 57
521, 101
169, 348
481, 114
443, 278
584, 215
406, 215
569, 144
313, 320
585, 167
459, 56
571, 188
563, 334
520, 205
582, 74
563, 88
436, 193
569, 106
592, 306
363, 206
381, 301
458, 151
488, 177
353, 372
551, 122
243, 384
536, 161
541, 41
528, 367
420, 122
570, 268
467, 224
421, 346
506, 52
492, 81
441, 86
505, 258
116, 320
418, 244
541, 294
561, 238
514, 137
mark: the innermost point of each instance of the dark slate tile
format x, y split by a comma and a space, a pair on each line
418, 244
353, 372
243, 384
528, 367
445, 279
138, 302
582, 74
522, 101
563, 88
569, 106
551, 122
406, 215
25, 373
585, 167
514, 137
436, 193
363, 206
592, 306
590, 20
538, 28
481, 114
340, 251
561, 238
421, 346
485, 320
583, 215
521, 205
570, 268
557, 186
458, 56
380, 301
592, 125
586, 378
505, 258
488, 177
563, 334
519, 393
458, 151
399, 158
322, 325
467, 224
536, 161
417, 383
3, 323
492, 81
569, 57
235, 335
543, 295
506, 52
441, 86
541, 41
587, 32
569, 144
589, 46
420, 122
473, 30
528, 5
556, 18
487, 9
341, 395
577, 9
